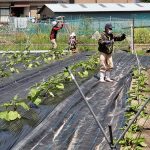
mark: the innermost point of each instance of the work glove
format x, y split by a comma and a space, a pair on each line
123, 36
109, 42
112, 41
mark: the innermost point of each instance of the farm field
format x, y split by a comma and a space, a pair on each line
70, 113
41, 107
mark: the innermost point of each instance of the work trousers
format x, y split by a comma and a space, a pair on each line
106, 62
54, 44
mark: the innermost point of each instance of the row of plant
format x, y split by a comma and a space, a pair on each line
137, 96
47, 91
23, 60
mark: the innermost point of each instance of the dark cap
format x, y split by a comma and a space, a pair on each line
108, 26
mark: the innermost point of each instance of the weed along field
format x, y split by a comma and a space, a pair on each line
54, 98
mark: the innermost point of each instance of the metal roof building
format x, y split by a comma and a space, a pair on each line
101, 7
126, 10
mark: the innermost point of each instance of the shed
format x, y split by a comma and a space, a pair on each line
77, 11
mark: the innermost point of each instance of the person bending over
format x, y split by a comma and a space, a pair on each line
53, 33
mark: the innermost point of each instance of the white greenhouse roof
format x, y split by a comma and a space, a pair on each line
99, 7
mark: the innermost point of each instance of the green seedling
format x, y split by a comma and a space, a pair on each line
11, 108
83, 74
33, 96
136, 94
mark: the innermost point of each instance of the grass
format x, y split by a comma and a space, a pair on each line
142, 35
140, 52
40, 40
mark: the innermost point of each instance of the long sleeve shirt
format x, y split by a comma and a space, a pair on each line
54, 30
106, 42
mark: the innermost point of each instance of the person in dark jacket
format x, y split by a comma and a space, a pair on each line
106, 42
53, 33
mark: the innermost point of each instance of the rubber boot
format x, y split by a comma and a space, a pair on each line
107, 76
102, 76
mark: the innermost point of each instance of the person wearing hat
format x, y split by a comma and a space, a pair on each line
72, 42
53, 33
106, 42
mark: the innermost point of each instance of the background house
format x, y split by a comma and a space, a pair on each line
105, 1
23, 8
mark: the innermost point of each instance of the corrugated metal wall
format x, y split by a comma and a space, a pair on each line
141, 18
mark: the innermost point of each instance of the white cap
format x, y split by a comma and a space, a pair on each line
54, 23
72, 34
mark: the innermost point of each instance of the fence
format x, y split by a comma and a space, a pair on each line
20, 33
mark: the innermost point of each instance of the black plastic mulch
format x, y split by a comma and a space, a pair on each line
71, 126
13, 132
20, 83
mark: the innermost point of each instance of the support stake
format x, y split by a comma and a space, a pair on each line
111, 138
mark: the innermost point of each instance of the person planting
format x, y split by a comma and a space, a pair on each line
106, 42
53, 33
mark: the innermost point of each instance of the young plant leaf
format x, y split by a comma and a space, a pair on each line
51, 94
3, 115
143, 144
37, 101
12, 115
33, 92
23, 104
30, 65
60, 86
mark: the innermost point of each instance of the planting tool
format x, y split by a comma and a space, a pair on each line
62, 20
